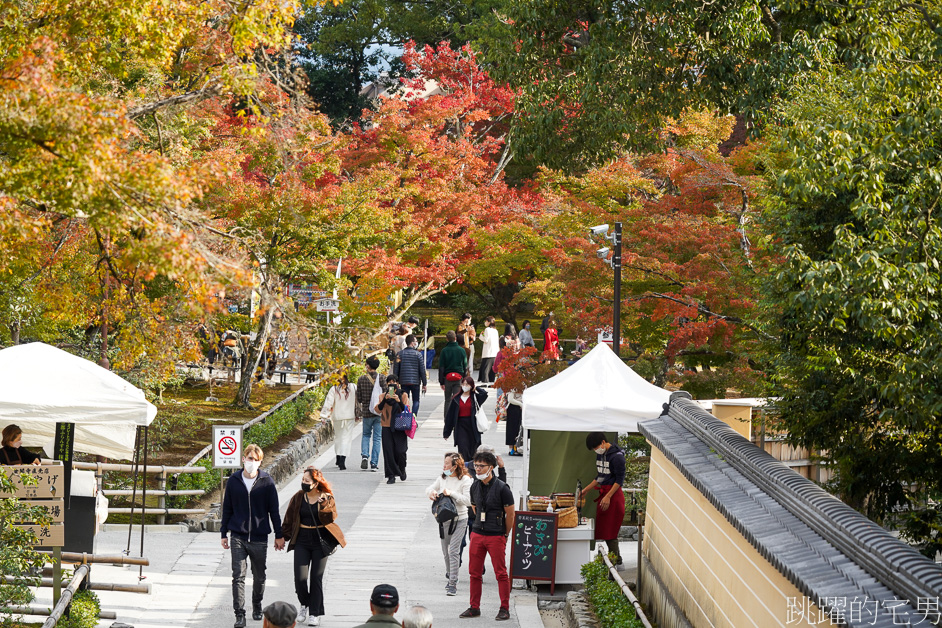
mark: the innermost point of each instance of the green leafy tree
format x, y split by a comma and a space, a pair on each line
20, 563
856, 177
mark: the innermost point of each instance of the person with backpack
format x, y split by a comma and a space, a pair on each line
451, 496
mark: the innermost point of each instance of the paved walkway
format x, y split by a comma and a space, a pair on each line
391, 537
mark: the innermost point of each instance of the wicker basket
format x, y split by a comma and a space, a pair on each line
538, 504
568, 518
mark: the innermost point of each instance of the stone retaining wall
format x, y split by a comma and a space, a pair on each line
579, 612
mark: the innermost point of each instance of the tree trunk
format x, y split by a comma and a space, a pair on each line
243, 396
15, 332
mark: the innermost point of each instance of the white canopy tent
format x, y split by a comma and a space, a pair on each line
43, 385
599, 393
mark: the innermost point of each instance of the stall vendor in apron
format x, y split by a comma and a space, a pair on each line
610, 463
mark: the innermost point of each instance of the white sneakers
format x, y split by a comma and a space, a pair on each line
313, 621
302, 616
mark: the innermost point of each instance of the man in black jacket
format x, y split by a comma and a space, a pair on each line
251, 499
410, 369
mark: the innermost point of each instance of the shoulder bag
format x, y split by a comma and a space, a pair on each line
483, 422
327, 548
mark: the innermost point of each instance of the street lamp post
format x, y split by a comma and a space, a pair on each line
615, 263
616, 266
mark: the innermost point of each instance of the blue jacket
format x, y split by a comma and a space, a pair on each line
246, 514
410, 368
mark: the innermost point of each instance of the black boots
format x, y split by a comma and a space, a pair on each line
239, 619
342, 462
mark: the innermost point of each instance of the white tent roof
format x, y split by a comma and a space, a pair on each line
597, 393
43, 386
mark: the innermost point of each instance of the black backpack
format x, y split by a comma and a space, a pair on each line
445, 511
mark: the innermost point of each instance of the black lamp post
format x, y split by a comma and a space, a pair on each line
615, 263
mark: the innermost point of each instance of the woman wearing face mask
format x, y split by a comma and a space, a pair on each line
461, 418
526, 338
455, 482
12, 452
395, 443
309, 520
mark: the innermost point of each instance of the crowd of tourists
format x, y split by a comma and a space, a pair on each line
471, 489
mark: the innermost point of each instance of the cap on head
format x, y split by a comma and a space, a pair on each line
281, 614
385, 596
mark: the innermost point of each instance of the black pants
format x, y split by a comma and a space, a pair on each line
309, 560
486, 372
415, 394
244, 551
395, 446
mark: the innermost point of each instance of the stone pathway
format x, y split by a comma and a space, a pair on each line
391, 537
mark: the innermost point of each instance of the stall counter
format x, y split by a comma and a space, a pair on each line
573, 551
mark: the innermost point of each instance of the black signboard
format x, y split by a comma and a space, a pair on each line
533, 552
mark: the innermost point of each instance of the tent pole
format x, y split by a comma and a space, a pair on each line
525, 491
137, 450
140, 573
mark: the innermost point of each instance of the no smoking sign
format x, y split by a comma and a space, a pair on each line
227, 446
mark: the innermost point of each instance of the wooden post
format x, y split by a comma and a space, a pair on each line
162, 497
56, 574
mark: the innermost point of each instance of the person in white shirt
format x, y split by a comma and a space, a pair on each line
488, 352
341, 408
455, 482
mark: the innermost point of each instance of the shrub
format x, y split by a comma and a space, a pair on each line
610, 604
282, 422
83, 613
18, 560
208, 481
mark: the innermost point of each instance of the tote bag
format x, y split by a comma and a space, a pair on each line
483, 422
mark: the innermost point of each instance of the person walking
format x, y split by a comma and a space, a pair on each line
452, 366
526, 338
399, 340
384, 602
410, 369
492, 503
514, 420
372, 428
395, 442
488, 352
455, 482
461, 418
312, 534
250, 501
551, 342
466, 336
340, 407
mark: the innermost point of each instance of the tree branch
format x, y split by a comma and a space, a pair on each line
172, 101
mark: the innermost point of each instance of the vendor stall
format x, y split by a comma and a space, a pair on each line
599, 393
48, 392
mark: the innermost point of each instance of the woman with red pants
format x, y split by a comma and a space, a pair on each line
610, 464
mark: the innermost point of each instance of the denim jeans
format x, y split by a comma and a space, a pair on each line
415, 395
372, 430
242, 551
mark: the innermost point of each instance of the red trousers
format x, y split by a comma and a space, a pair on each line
481, 546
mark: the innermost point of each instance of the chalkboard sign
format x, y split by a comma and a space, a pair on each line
533, 553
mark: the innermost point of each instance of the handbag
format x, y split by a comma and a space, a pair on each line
415, 427
403, 421
483, 422
453, 377
327, 548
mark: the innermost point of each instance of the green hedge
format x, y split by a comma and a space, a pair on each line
83, 612
611, 606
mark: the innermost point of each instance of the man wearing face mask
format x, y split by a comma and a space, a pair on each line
251, 500
410, 369
610, 464
492, 502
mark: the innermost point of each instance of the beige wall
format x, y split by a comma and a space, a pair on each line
738, 417
712, 572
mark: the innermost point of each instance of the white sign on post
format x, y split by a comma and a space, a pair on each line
227, 446
328, 305
606, 336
